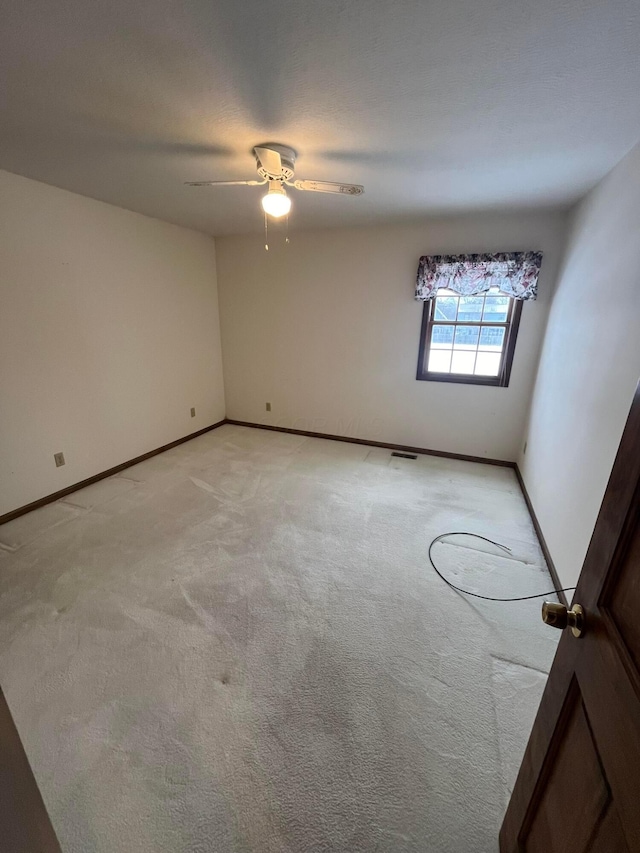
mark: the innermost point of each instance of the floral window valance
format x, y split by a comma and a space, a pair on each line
515, 273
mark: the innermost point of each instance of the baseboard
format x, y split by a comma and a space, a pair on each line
14, 513
388, 446
409, 449
545, 549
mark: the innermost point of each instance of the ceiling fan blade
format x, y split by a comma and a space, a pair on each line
328, 187
270, 160
224, 183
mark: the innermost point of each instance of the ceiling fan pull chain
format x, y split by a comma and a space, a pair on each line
266, 234
286, 239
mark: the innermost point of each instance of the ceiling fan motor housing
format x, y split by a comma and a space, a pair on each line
288, 158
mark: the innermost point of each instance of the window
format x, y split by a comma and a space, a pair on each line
469, 338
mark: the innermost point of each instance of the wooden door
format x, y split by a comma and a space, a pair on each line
578, 790
24, 823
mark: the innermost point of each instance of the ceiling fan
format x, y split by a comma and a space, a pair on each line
276, 166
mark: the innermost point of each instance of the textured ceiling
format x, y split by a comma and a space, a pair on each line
433, 105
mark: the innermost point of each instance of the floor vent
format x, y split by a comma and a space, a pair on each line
404, 455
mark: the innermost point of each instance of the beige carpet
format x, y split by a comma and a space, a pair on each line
239, 645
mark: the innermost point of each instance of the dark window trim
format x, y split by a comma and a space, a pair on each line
512, 325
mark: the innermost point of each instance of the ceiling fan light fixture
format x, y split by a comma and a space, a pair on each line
276, 202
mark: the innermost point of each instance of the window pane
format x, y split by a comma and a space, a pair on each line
439, 361
470, 308
492, 338
487, 364
466, 337
462, 362
446, 308
496, 308
442, 337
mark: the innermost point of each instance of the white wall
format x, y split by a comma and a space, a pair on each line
589, 368
108, 335
327, 330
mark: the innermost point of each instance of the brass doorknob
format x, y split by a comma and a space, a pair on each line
558, 616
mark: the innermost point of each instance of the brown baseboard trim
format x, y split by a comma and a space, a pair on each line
545, 550
408, 449
388, 446
14, 513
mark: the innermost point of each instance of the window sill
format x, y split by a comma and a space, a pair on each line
462, 379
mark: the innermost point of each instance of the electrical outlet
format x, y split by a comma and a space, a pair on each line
193, 413
268, 407
59, 459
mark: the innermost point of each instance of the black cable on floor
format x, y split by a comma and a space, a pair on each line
475, 594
